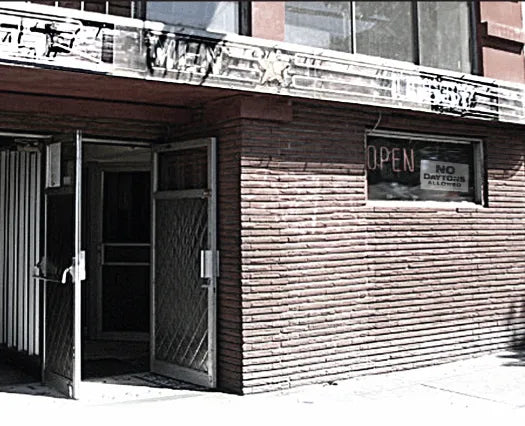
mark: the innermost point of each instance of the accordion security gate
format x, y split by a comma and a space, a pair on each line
20, 204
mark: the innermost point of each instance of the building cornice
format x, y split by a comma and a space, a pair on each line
65, 39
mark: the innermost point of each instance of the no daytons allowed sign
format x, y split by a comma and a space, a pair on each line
441, 176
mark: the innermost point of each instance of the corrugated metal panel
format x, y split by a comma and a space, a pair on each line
19, 245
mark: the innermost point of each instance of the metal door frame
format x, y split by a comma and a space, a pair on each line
159, 366
99, 249
95, 172
71, 389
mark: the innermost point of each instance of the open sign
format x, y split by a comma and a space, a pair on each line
397, 158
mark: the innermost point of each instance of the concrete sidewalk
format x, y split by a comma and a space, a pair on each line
486, 390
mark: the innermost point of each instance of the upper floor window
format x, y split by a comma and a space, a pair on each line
434, 33
127, 9
217, 16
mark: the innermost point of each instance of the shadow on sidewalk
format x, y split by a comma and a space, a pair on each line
14, 379
516, 357
120, 388
515, 322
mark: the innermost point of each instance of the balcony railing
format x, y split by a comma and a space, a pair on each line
44, 36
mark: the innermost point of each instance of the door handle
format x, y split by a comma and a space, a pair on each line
62, 280
81, 264
43, 270
51, 280
206, 264
67, 271
209, 266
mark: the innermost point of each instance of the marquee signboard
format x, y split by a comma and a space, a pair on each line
43, 35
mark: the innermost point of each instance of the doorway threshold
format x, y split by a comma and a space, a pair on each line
136, 387
120, 389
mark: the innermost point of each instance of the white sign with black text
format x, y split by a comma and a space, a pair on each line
441, 176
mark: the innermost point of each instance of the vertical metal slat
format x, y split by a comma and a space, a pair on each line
36, 246
19, 318
31, 254
2, 244
6, 248
27, 198
20, 282
30, 259
11, 251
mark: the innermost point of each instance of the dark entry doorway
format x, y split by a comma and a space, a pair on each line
116, 299
124, 247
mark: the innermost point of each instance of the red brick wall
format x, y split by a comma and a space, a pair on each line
268, 20
315, 284
501, 40
333, 287
229, 337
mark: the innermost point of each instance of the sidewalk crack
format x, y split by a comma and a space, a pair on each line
462, 393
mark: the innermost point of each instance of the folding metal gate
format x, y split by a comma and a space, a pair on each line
20, 246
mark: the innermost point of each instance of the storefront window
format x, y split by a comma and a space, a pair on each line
421, 169
217, 16
435, 34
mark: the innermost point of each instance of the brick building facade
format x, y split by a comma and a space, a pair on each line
361, 214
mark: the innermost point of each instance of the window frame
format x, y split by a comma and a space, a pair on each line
473, 9
478, 161
243, 18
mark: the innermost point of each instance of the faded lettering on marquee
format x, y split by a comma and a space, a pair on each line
44, 39
446, 94
248, 64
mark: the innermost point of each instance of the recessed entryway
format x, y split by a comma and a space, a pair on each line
128, 263
116, 319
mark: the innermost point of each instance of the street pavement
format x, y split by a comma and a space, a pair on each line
487, 390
